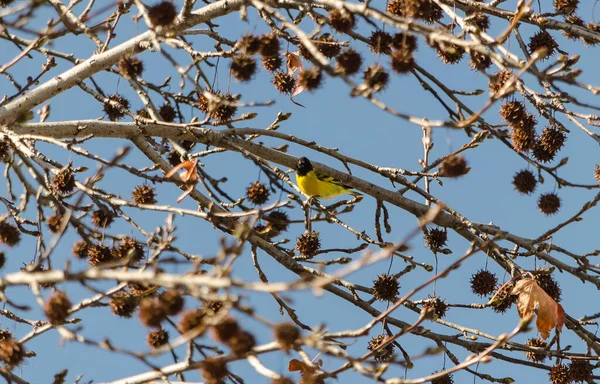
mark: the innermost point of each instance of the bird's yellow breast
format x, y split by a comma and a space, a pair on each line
312, 186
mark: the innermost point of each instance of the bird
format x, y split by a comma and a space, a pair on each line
315, 183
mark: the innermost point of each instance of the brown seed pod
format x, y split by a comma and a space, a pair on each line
272, 63
525, 182
541, 153
310, 79
503, 299
284, 82
269, 45
54, 222
403, 60
308, 244
342, 20
286, 335
446, 379
479, 61
5, 335
565, 7
523, 139
214, 370
349, 62
581, 371
11, 352
129, 247
559, 374
282, 380
192, 320
513, 112
536, 357
243, 68
123, 304
115, 107
171, 301
9, 234
454, 166
483, 283
130, 67
497, 81
376, 77
543, 42
162, 14
152, 313
478, 19
384, 354
552, 139
220, 107
278, 220
597, 173
396, 7
385, 288
167, 113
57, 308
549, 203
157, 338
98, 253
4, 151
102, 217
2, 263
380, 42
241, 343
435, 239
144, 194
403, 40
143, 113
225, 329
257, 193
547, 283
249, 44
325, 43
435, 307
450, 53
425, 10
64, 181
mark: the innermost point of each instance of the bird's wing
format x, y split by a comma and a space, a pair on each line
328, 179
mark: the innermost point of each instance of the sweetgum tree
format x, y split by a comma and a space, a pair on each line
152, 232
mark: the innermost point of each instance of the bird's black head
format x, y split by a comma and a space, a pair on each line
303, 166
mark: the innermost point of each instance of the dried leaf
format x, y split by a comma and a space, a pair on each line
293, 62
297, 365
549, 313
189, 175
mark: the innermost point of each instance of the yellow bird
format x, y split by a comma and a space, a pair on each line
314, 183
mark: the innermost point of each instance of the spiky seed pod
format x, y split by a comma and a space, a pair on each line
552, 139
144, 194
5, 335
102, 217
269, 45
243, 68
542, 41
349, 62
450, 54
152, 313
435, 239
503, 299
284, 82
282, 380
425, 10
478, 19
4, 151
130, 67
559, 374
385, 288
541, 153
384, 354
162, 14
483, 283
308, 244
536, 357
446, 379
225, 329
171, 301
565, 7
310, 79
403, 40
396, 7
549, 203
11, 352
341, 20
241, 343
454, 166
115, 112
597, 173
212, 308
436, 307
5, 3
142, 289
479, 61
192, 320
80, 250
497, 81
157, 338
2, 262
581, 371
286, 335
9, 234
143, 113
376, 77
57, 308
272, 63
220, 107
123, 304
64, 181
548, 283
278, 220
380, 42
523, 140
257, 193
525, 182
249, 44
513, 111
328, 45
167, 113
403, 60
54, 222
214, 370
575, 20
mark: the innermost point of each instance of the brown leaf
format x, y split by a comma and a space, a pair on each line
549, 313
297, 365
293, 62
